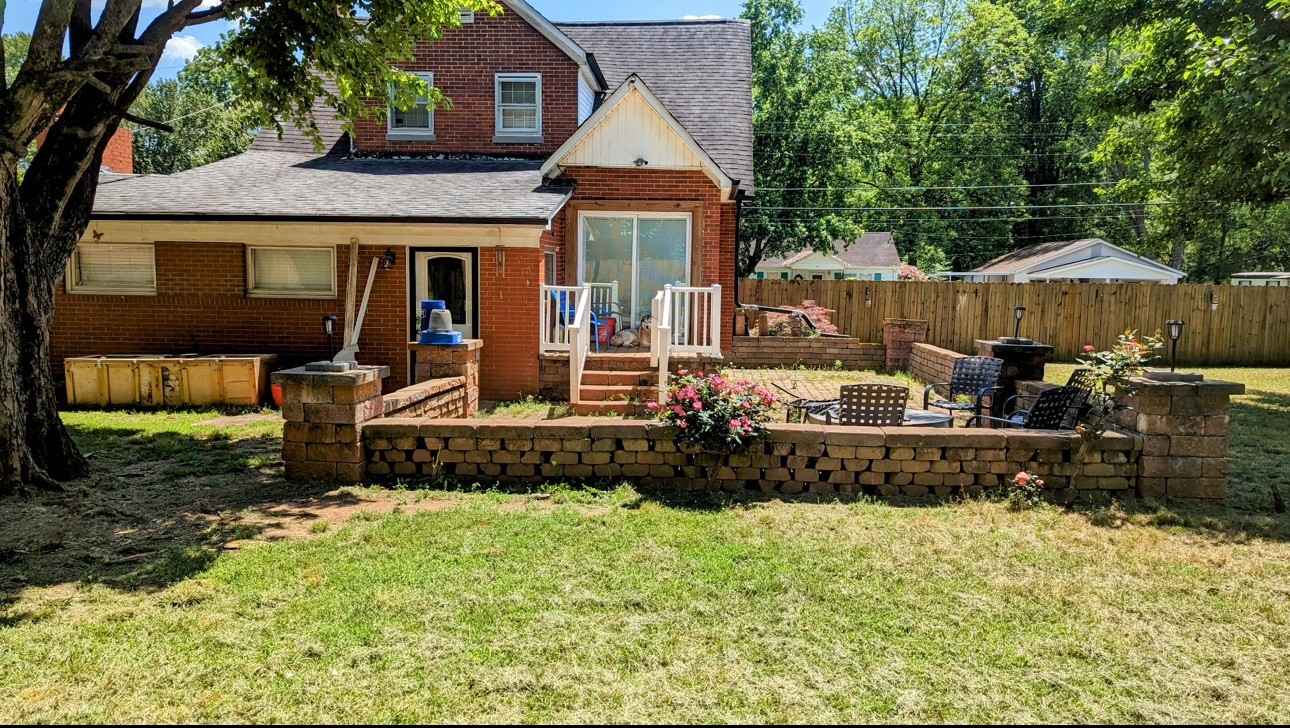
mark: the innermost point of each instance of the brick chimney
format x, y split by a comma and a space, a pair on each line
118, 157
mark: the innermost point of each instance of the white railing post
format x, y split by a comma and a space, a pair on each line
715, 329
579, 343
662, 338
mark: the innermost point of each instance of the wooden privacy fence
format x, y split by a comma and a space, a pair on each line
1251, 325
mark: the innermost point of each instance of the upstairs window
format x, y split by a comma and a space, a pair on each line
416, 122
127, 270
519, 108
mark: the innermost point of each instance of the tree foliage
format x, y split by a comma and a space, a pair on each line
972, 128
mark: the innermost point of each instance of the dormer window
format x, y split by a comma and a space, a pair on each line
519, 108
415, 123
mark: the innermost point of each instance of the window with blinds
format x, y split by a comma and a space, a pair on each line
519, 105
417, 120
119, 269
291, 272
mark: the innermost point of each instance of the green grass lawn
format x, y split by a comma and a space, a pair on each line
120, 603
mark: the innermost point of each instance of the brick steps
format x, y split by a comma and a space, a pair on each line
619, 407
621, 378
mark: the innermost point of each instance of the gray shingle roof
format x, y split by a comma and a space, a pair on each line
871, 250
700, 70
1023, 258
286, 185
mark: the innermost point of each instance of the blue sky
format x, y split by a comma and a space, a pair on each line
21, 15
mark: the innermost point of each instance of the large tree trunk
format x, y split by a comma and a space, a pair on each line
36, 449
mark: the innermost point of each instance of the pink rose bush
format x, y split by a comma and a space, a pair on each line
1025, 491
714, 414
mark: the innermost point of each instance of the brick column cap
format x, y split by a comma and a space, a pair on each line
996, 347
1152, 387
355, 377
467, 345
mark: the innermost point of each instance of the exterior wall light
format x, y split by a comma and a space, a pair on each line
388, 259
329, 329
641, 162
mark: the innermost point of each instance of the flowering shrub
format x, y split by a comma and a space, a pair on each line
1024, 491
779, 322
911, 273
713, 414
1113, 368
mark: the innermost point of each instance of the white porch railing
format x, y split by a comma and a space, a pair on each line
558, 305
580, 336
695, 320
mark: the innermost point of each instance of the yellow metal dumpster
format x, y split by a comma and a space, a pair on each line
168, 381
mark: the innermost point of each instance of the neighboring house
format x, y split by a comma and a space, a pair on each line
601, 153
1273, 279
1078, 261
873, 257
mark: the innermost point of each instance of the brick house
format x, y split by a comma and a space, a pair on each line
599, 159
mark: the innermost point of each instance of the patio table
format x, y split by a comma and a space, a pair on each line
913, 417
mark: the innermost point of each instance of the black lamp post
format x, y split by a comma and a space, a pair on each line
329, 328
1175, 329
1020, 313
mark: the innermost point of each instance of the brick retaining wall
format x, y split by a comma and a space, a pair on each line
819, 353
913, 462
932, 364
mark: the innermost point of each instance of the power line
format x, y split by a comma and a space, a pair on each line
934, 187
967, 208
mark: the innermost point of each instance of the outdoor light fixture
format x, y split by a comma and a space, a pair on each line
388, 259
1020, 313
1213, 301
329, 328
868, 300
641, 162
1175, 329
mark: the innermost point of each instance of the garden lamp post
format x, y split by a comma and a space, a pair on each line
1020, 313
1175, 329
329, 328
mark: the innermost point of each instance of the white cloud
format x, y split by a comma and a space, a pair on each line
702, 17
182, 48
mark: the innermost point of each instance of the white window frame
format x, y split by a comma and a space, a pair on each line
75, 287
516, 136
636, 218
422, 135
252, 291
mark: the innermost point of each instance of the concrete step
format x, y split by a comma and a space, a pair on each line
622, 378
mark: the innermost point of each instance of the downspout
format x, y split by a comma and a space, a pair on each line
740, 195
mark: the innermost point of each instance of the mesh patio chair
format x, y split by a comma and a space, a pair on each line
803, 405
871, 405
1050, 411
1082, 380
975, 377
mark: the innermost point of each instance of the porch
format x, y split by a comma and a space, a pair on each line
579, 359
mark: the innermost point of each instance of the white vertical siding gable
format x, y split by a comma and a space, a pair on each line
634, 130
586, 100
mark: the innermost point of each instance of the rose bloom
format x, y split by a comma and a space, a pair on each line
1089, 348
1022, 479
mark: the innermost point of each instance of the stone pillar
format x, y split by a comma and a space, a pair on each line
1184, 425
899, 336
1021, 362
325, 405
458, 360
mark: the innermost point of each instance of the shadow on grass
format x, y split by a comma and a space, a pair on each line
157, 508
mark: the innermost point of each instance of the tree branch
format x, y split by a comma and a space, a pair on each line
160, 126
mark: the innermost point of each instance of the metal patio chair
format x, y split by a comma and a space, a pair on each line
1082, 379
803, 405
975, 377
1050, 411
871, 405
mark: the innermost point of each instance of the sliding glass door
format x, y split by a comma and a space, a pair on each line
631, 256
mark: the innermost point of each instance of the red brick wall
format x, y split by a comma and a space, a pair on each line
201, 306
119, 155
716, 243
464, 63
508, 322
